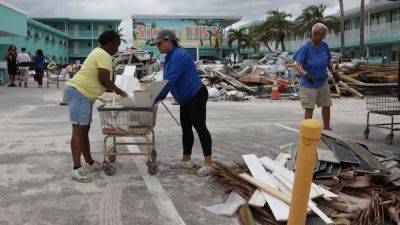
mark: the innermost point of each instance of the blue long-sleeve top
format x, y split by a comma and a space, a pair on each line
181, 73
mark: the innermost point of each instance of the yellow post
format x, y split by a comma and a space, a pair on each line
310, 132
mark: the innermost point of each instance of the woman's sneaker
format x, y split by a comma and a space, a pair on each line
96, 166
80, 175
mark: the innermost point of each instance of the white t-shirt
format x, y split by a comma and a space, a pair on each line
23, 57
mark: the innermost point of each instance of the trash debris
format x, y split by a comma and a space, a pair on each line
228, 208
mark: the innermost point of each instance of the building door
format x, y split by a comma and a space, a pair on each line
76, 48
76, 29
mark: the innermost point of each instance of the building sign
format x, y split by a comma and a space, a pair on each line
189, 31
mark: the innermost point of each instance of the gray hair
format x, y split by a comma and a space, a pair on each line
317, 27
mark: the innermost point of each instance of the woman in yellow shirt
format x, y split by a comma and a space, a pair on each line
92, 80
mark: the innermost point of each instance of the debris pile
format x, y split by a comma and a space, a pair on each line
351, 184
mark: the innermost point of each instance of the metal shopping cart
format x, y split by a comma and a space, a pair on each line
382, 99
118, 122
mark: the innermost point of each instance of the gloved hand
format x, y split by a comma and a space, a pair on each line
309, 78
336, 77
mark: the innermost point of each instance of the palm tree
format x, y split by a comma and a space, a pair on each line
312, 15
250, 41
278, 26
263, 35
209, 24
238, 36
341, 27
362, 17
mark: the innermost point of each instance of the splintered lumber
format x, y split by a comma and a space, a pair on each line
351, 90
278, 207
235, 83
316, 191
257, 199
351, 80
279, 195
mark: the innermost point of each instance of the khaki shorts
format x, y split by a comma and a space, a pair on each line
310, 97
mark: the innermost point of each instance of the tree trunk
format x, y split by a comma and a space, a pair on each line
362, 13
277, 42
341, 28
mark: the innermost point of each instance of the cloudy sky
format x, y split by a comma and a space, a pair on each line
123, 9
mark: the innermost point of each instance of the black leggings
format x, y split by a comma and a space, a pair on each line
194, 114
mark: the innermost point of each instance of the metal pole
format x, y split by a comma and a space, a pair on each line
170, 113
310, 132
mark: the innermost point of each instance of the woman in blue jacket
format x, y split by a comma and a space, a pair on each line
189, 91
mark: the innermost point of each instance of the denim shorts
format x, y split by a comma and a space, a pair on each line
79, 106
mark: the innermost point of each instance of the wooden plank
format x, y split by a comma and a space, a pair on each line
284, 198
316, 190
234, 82
351, 80
278, 207
351, 90
282, 158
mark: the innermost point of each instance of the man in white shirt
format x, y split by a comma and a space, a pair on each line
23, 60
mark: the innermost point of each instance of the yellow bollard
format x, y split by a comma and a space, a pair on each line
310, 132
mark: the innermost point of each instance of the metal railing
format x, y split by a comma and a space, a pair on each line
84, 33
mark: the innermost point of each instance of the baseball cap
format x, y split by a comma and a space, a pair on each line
164, 35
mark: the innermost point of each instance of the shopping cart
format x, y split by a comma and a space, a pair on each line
382, 99
117, 122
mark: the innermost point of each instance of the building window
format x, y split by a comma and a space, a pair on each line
109, 27
378, 18
347, 25
395, 15
394, 56
376, 52
88, 27
88, 44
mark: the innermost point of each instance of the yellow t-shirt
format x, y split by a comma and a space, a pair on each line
87, 79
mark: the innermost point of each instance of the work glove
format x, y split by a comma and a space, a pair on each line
336, 77
309, 78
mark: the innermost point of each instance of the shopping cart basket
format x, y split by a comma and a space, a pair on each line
382, 99
117, 122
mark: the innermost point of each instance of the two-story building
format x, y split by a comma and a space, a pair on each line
83, 33
381, 31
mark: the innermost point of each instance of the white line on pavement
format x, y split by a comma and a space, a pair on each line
286, 127
160, 197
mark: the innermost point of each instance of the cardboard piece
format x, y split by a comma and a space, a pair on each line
145, 96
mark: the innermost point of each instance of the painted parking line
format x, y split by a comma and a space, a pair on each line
286, 127
158, 194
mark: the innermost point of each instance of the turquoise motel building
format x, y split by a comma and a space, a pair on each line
61, 39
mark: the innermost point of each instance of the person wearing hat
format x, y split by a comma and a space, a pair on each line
189, 91
23, 60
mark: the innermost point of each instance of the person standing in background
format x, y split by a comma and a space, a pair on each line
39, 66
11, 57
23, 60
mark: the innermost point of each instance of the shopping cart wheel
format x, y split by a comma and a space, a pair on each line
389, 139
154, 155
112, 158
152, 169
366, 133
109, 169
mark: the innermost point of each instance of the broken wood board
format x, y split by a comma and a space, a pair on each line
281, 196
311, 204
316, 190
235, 82
282, 158
334, 172
351, 80
351, 90
279, 208
394, 174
